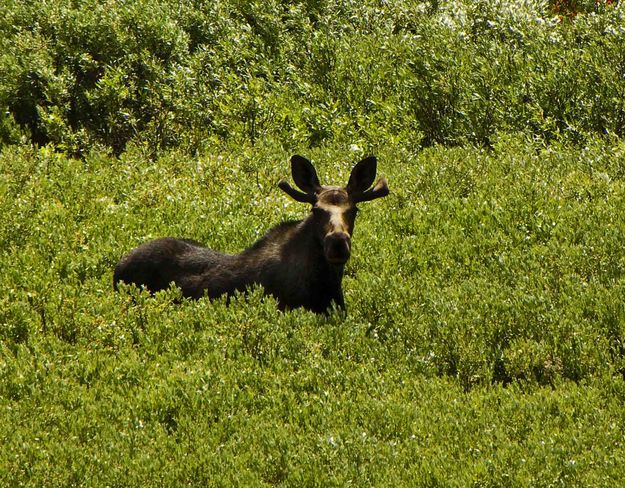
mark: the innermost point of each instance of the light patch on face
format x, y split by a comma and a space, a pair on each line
336, 205
338, 223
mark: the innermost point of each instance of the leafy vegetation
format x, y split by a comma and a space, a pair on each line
484, 339
299, 73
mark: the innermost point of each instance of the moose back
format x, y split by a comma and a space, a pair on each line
300, 263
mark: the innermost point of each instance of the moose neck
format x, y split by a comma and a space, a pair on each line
289, 262
323, 278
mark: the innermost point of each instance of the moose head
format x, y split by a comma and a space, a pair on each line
334, 208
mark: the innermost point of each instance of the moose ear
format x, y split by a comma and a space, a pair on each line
304, 175
362, 176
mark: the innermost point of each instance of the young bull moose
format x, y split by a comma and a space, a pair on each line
300, 263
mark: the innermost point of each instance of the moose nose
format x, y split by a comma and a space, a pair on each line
337, 247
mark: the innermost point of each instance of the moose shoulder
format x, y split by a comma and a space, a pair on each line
300, 263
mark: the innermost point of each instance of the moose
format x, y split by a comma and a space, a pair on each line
300, 263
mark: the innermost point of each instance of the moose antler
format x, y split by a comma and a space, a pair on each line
297, 195
378, 191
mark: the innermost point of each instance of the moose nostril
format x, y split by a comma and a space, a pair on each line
339, 239
337, 247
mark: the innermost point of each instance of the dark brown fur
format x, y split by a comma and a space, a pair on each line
299, 263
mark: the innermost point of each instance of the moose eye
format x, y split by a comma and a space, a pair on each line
319, 212
352, 212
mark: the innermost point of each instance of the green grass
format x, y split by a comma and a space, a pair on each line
484, 342
482, 345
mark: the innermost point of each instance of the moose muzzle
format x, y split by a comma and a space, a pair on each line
337, 247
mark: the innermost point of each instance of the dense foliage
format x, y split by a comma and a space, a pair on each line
484, 343
175, 74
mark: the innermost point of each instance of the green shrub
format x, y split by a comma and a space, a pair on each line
167, 76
